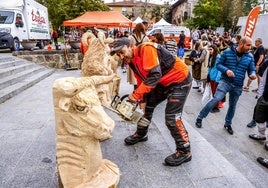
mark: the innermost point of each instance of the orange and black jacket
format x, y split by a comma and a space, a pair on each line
146, 67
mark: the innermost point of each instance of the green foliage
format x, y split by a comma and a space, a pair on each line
216, 13
61, 10
161, 11
207, 13
156, 12
190, 24
248, 5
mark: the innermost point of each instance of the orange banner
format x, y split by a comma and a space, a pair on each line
251, 21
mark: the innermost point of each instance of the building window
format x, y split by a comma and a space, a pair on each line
133, 11
124, 11
19, 21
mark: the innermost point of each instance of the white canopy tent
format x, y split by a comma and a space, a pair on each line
138, 20
12, 3
161, 22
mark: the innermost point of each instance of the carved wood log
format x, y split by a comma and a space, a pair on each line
81, 123
97, 61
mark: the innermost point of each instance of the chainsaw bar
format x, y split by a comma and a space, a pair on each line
111, 109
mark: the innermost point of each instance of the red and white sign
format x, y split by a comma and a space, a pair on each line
251, 21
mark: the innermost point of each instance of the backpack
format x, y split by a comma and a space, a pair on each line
193, 55
180, 52
55, 34
166, 59
138, 42
262, 68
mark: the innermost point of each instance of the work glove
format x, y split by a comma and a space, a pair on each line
132, 99
142, 106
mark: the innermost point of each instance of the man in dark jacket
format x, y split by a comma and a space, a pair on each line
181, 40
233, 63
259, 57
261, 70
260, 115
261, 109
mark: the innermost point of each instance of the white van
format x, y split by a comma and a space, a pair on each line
167, 30
25, 21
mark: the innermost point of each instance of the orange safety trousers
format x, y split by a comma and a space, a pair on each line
176, 95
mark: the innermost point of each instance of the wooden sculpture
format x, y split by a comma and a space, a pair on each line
81, 123
97, 61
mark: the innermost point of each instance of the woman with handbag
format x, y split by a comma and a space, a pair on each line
214, 74
196, 66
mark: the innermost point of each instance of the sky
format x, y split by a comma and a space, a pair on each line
150, 1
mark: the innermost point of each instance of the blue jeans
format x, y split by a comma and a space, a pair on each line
222, 89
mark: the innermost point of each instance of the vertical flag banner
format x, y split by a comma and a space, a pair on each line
251, 21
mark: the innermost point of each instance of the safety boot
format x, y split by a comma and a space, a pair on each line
178, 158
182, 155
135, 138
141, 134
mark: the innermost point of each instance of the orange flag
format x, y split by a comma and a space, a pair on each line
251, 21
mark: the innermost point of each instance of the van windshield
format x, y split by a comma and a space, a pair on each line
6, 17
151, 32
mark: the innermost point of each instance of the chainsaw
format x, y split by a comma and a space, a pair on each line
128, 111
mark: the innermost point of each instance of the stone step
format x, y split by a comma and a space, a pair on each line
12, 90
10, 63
15, 69
4, 59
18, 74
217, 157
14, 78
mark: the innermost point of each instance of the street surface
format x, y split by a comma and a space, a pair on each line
28, 144
238, 148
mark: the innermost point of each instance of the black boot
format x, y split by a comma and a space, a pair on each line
141, 134
263, 161
135, 138
229, 129
178, 158
181, 155
198, 123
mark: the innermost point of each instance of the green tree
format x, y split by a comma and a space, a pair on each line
215, 13
207, 14
61, 10
161, 11
156, 12
233, 9
248, 5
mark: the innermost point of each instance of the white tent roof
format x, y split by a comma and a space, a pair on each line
162, 22
12, 3
138, 20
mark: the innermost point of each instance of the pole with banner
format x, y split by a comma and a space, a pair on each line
251, 21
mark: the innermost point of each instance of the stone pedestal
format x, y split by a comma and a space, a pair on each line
54, 59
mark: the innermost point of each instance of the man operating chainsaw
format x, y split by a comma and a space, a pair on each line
159, 76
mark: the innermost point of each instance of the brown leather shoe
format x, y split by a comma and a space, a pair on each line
245, 88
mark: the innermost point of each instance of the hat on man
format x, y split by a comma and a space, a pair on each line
118, 44
259, 39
